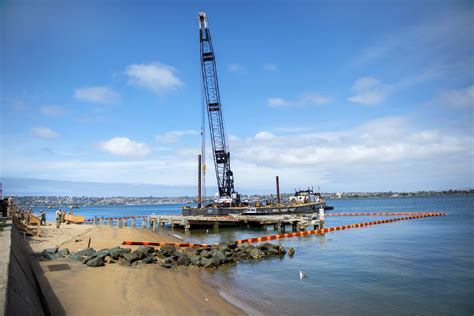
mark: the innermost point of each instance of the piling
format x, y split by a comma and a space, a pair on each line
144, 222
125, 222
199, 181
110, 221
120, 223
278, 189
101, 221
155, 225
134, 222
95, 220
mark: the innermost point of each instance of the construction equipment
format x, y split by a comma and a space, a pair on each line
225, 177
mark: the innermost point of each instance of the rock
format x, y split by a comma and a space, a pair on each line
116, 252
124, 262
96, 262
49, 251
204, 253
142, 250
130, 256
109, 259
195, 260
231, 244
256, 253
219, 256
103, 253
64, 252
86, 259
159, 255
282, 250
76, 257
167, 265
291, 251
85, 252
183, 260
167, 250
138, 264
149, 259
208, 263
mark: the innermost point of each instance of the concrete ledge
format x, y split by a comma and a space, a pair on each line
20, 292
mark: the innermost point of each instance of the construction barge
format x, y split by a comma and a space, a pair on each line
303, 202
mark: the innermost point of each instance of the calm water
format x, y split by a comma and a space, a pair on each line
420, 266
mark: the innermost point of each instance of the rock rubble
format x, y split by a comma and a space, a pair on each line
170, 257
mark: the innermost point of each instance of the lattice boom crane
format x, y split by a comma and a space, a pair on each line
225, 177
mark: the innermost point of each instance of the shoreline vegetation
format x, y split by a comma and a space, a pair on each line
56, 201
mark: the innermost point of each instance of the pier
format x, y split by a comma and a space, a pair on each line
279, 222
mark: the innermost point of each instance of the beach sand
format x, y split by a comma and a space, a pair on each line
120, 290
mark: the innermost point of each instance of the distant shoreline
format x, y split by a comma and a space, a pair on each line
67, 201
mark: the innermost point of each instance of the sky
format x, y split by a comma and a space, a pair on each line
345, 95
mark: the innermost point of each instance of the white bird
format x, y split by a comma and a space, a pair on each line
207, 231
303, 275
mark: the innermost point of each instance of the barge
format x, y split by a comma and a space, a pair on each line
303, 202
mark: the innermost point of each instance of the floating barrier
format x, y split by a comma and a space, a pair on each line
377, 214
291, 235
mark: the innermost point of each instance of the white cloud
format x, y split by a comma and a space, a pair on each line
315, 99
156, 77
369, 91
444, 36
97, 94
461, 98
44, 132
383, 141
270, 67
277, 102
305, 100
51, 110
125, 147
237, 68
174, 136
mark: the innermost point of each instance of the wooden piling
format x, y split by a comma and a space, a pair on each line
278, 189
199, 181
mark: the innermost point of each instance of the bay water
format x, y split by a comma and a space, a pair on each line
421, 266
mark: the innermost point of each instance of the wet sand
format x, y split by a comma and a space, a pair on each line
119, 290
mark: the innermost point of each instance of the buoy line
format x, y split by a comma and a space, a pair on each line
289, 235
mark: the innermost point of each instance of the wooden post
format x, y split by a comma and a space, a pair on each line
134, 222
101, 221
95, 220
155, 224
199, 181
144, 222
125, 222
278, 189
110, 221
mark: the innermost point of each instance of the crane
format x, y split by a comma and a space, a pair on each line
225, 177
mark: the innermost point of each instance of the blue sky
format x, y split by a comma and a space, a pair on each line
351, 96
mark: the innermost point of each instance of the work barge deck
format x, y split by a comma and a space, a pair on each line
279, 222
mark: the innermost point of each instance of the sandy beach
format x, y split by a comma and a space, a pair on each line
120, 290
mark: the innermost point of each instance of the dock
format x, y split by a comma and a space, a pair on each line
279, 222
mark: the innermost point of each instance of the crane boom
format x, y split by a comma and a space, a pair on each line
225, 177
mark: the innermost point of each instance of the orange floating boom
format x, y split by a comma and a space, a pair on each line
289, 235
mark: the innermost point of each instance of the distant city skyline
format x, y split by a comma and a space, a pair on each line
353, 97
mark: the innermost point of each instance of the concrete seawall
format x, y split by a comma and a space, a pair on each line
20, 293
